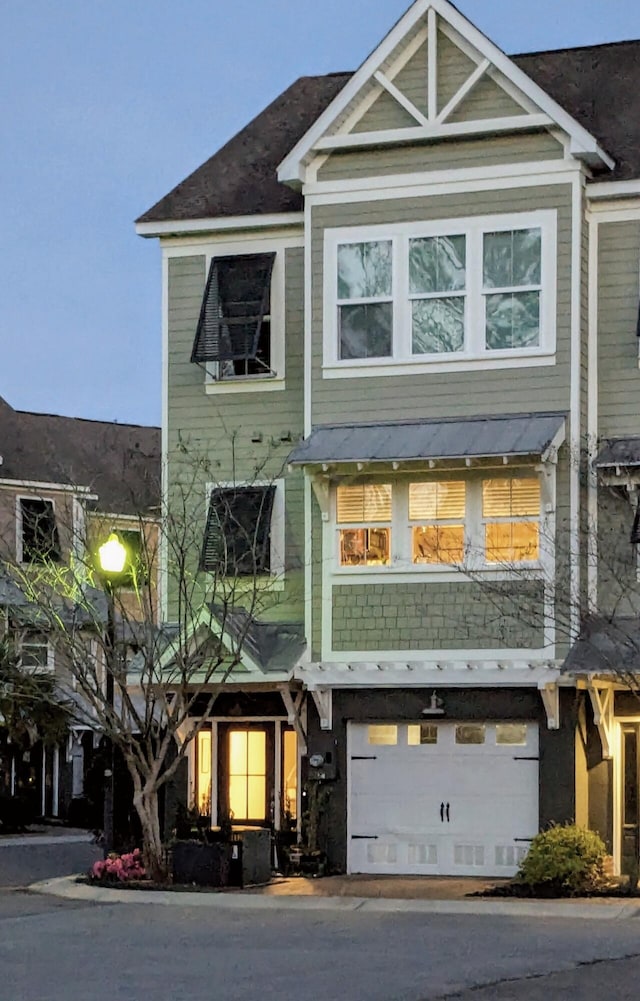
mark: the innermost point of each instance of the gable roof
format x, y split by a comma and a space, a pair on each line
598, 85
118, 462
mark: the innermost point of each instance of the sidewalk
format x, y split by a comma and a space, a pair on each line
353, 893
46, 834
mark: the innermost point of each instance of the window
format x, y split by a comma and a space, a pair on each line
34, 651
470, 733
475, 290
248, 774
366, 509
38, 541
237, 539
234, 328
382, 735
511, 513
437, 524
365, 299
422, 733
436, 513
512, 734
135, 571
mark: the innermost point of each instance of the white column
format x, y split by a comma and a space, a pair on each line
214, 774
13, 773
43, 782
77, 766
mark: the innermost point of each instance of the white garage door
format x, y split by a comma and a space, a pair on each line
442, 798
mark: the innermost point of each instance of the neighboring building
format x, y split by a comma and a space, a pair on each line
65, 483
408, 296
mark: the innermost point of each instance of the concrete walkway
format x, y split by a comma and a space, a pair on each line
47, 835
613, 909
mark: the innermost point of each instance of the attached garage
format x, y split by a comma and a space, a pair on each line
441, 798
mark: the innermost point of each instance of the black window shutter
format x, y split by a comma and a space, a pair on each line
236, 301
237, 539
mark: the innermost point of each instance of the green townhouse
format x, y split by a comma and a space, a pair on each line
400, 314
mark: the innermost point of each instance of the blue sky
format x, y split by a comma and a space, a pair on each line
107, 105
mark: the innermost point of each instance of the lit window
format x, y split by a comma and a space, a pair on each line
365, 300
365, 509
381, 734
203, 773
439, 510
511, 513
422, 733
289, 777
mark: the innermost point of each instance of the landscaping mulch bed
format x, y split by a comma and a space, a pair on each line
544, 891
147, 884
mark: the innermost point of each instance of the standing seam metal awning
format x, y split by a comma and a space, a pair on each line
449, 438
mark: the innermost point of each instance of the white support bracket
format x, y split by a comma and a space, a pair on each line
602, 705
294, 718
323, 698
322, 490
551, 700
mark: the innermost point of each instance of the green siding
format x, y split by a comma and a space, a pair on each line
209, 436
511, 390
384, 114
454, 67
433, 616
618, 288
485, 100
449, 155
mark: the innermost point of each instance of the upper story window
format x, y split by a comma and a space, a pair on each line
233, 337
244, 532
35, 651
474, 290
439, 523
38, 539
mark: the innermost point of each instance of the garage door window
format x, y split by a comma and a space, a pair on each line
383, 735
422, 733
514, 734
470, 733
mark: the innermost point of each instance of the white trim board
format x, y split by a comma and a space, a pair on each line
171, 227
583, 143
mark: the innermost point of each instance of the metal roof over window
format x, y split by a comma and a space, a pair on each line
449, 438
617, 452
605, 646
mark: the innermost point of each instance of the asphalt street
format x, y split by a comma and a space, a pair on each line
54, 950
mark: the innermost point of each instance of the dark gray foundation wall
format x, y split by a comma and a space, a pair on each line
557, 747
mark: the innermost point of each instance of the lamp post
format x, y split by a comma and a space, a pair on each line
112, 557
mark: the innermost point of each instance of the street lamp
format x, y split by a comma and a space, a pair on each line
112, 557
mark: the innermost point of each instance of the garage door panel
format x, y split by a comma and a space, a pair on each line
400, 791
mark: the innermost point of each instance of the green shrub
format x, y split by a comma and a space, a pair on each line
565, 859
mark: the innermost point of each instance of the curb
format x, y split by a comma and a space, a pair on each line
67, 888
24, 841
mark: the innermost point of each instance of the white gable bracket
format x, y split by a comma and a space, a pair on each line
437, 130
583, 144
602, 705
401, 99
323, 699
551, 701
294, 718
467, 86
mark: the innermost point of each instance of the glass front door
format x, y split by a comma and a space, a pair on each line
245, 773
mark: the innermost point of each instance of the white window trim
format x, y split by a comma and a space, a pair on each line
401, 562
36, 669
475, 356
262, 383
19, 499
277, 531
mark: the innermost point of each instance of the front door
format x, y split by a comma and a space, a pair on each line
245, 773
630, 797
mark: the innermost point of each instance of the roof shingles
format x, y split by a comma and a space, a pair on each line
598, 85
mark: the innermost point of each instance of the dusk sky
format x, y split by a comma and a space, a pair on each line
108, 104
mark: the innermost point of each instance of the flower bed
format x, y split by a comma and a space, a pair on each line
118, 868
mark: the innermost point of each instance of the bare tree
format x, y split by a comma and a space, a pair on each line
150, 686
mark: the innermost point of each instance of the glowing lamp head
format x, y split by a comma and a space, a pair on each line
112, 555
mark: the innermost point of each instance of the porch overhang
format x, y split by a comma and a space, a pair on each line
618, 463
446, 442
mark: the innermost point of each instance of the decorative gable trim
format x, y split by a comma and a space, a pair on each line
490, 59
